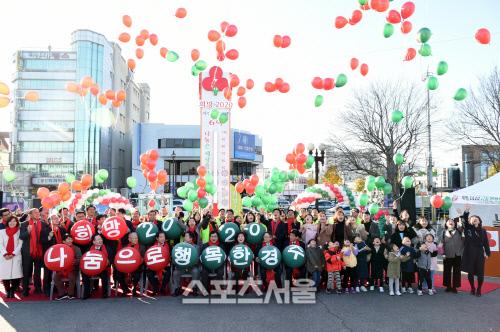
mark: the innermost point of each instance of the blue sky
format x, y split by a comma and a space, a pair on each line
317, 49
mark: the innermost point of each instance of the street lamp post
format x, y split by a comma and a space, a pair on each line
429, 138
319, 157
174, 175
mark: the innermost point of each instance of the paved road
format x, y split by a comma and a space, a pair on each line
359, 312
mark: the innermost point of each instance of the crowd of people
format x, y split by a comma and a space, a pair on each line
343, 254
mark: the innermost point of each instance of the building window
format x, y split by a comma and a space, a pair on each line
188, 167
122, 135
179, 143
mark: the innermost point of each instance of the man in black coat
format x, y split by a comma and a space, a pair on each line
32, 255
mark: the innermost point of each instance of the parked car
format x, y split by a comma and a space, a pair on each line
283, 204
322, 205
176, 202
347, 210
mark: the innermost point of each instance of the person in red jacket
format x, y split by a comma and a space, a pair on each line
334, 264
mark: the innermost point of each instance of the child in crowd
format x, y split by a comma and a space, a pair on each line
432, 247
408, 266
315, 261
378, 263
309, 229
362, 266
349, 253
334, 264
394, 268
424, 263
422, 228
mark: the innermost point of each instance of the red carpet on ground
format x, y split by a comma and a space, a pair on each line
487, 286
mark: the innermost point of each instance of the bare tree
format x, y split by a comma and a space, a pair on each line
369, 139
478, 118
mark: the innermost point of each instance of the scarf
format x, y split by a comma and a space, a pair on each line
210, 243
274, 225
10, 242
93, 221
65, 222
136, 222
192, 229
289, 223
295, 271
57, 234
35, 244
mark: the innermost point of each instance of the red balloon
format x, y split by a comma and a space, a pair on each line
59, 257
406, 27
278, 82
393, 17
114, 228
364, 69
286, 41
242, 102
410, 54
407, 9
301, 169
437, 201
269, 87
201, 182
317, 83
82, 232
301, 159
250, 84
354, 63
153, 39
202, 170
93, 262
152, 176
254, 179
290, 158
201, 193
151, 203
483, 36
250, 188
284, 88
300, 148
128, 260
357, 15
153, 154
277, 41
340, 22
157, 258
328, 83
162, 177
380, 5
180, 13
231, 30
232, 54
239, 187
150, 164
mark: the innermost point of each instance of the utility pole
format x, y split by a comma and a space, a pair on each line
429, 149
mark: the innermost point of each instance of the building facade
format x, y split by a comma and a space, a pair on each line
59, 134
477, 162
179, 149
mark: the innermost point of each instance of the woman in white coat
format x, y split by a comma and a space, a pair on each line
11, 270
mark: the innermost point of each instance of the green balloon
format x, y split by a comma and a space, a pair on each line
228, 232
203, 202
214, 114
407, 182
373, 208
256, 201
275, 177
189, 185
240, 256
146, 232
432, 83
424, 35
363, 2
195, 71
223, 117
363, 199
273, 188
172, 56
442, 68
171, 228
370, 186
283, 176
260, 190
187, 205
460, 95
209, 178
212, 257
269, 257
182, 192
447, 202
309, 161
370, 178
398, 159
103, 174
397, 116
97, 178
184, 255
70, 178
341, 81
246, 201
425, 50
254, 233
318, 101
210, 188
293, 174
294, 256
201, 65
387, 188
379, 182
388, 30
193, 195
9, 175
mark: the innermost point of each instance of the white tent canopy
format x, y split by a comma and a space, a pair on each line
483, 198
